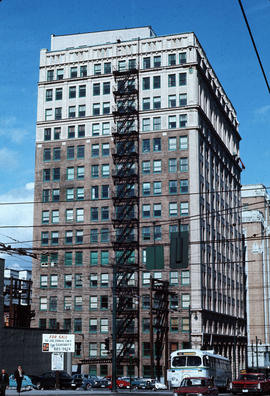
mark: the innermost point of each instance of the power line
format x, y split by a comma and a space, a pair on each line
254, 45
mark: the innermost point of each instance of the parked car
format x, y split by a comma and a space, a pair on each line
92, 381
26, 382
154, 384
120, 383
250, 383
77, 380
48, 380
196, 386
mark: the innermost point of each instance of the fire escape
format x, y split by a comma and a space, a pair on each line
126, 216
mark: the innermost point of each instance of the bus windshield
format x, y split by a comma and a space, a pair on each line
183, 361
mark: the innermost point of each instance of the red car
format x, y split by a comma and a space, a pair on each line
196, 386
251, 383
120, 383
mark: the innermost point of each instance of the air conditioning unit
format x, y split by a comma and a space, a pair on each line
44, 264
68, 308
52, 264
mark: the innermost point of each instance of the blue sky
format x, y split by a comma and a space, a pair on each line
26, 26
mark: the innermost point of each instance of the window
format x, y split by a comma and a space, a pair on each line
67, 281
156, 123
182, 120
157, 187
47, 154
172, 122
183, 142
94, 170
172, 101
93, 302
184, 186
107, 68
81, 111
57, 133
182, 58
105, 213
68, 237
69, 214
80, 151
146, 233
53, 303
105, 149
79, 215
174, 325
94, 192
157, 144
58, 94
96, 89
172, 143
70, 152
146, 104
80, 172
185, 325
173, 278
72, 111
146, 301
104, 259
156, 82
92, 325
172, 80
93, 349
157, 61
104, 235
95, 129
94, 235
105, 170
94, 214
45, 217
146, 326
146, 210
49, 75
82, 91
183, 164
47, 134
156, 102
68, 258
173, 186
48, 114
146, 145
78, 302
183, 208
43, 281
54, 237
77, 325
106, 88
157, 166
183, 99
146, 189
49, 95
172, 165
104, 280
157, 210
59, 74
73, 72
78, 280
182, 79
93, 258
105, 128
122, 65
45, 195
172, 59
146, 83
95, 150
70, 173
132, 64
55, 216
78, 240
106, 108
71, 132
44, 238
43, 304
105, 191
56, 153
104, 325
147, 62
97, 68
56, 174
96, 109
72, 92
83, 71
146, 167
173, 209
146, 124
185, 301
185, 278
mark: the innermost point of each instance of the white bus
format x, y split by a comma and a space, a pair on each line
196, 363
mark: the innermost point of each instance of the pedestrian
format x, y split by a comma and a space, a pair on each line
19, 377
4, 381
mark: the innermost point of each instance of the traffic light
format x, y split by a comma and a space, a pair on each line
107, 344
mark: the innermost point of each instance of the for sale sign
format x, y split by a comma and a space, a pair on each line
58, 343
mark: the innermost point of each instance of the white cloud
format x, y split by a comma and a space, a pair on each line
8, 158
263, 110
13, 219
10, 130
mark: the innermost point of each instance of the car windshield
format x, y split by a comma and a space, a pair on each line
250, 377
194, 382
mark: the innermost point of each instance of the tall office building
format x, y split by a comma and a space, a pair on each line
256, 226
137, 144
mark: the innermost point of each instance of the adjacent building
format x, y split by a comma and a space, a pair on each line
181, 150
256, 222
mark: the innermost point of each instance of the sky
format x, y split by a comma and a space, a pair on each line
26, 27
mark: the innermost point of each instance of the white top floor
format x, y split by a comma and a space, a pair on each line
254, 190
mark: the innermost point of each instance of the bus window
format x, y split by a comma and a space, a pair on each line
206, 361
179, 361
194, 361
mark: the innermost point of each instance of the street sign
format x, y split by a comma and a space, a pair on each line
57, 362
58, 343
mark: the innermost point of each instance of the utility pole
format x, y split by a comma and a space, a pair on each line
257, 357
152, 358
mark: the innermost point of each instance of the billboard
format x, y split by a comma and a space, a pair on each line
58, 343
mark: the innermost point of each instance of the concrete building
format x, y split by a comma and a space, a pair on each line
256, 225
189, 177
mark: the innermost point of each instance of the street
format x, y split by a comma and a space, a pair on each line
77, 392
